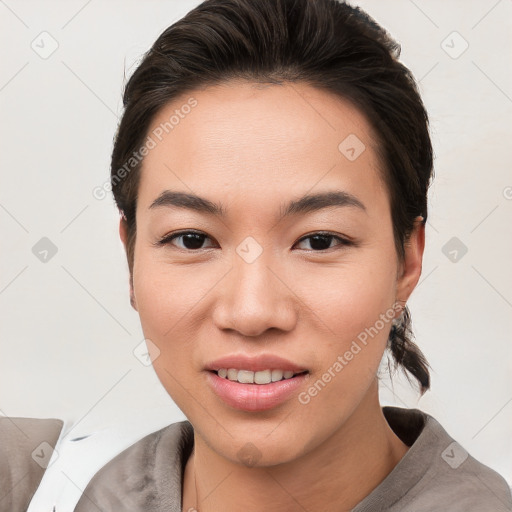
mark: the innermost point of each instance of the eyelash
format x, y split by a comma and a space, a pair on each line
167, 239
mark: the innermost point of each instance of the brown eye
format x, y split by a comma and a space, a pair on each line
322, 241
190, 240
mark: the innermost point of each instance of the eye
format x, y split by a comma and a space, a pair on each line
321, 241
192, 240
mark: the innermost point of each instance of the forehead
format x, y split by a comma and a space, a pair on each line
248, 137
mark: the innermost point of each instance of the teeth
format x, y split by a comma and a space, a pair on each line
263, 377
249, 377
277, 375
245, 377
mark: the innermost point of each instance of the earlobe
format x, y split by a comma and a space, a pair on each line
413, 259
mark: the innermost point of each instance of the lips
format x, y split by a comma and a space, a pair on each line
255, 397
255, 363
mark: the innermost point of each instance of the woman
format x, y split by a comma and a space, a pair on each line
271, 168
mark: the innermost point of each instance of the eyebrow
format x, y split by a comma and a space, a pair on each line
306, 204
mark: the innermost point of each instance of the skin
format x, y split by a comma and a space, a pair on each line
253, 148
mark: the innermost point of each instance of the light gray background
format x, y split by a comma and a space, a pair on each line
67, 330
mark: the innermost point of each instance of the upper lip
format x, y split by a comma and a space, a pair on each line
255, 363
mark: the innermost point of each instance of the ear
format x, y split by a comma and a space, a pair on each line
410, 269
123, 234
123, 231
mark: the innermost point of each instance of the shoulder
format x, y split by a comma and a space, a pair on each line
478, 486
462, 483
447, 476
145, 476
26, 448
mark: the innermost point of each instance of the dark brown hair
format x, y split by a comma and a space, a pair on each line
324, 43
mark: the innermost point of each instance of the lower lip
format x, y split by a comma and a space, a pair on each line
254, 397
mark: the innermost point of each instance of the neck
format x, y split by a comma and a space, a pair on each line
338, 474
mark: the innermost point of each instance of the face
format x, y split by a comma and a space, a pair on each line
242, 275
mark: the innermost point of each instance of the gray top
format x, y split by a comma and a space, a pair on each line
436, 474
26, 448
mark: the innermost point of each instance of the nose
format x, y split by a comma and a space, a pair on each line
255, 297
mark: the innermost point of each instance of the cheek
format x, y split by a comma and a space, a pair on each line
166, 294
171, 301
354, 305
165, 300
356, 314
351, 298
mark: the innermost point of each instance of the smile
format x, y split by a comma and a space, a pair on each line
251, 397
259, 377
